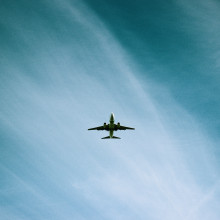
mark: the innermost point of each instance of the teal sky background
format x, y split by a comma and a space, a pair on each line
66, 65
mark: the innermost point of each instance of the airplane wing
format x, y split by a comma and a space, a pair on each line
125, 128
97, 128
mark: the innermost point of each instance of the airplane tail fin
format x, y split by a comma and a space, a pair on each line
106, 137
112, 137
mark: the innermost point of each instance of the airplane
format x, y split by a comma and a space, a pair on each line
111, 127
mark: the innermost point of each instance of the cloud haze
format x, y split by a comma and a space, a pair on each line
63, 70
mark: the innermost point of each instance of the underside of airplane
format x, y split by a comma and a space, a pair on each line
111, 127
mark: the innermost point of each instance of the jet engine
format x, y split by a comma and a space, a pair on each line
118, 125
104, 125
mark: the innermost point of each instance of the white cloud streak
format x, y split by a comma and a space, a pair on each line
156, 172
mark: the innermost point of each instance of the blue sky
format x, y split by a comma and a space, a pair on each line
65, 66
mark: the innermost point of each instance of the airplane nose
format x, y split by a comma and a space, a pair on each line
112, 116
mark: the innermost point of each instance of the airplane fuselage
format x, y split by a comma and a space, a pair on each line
111, 125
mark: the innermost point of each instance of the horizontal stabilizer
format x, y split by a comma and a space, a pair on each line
116, 137
106, 137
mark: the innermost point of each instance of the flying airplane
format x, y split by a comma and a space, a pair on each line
111, 127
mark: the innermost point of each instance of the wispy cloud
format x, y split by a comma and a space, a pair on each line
54, 168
